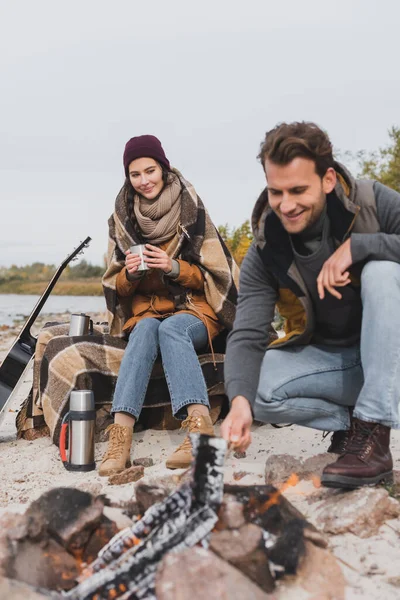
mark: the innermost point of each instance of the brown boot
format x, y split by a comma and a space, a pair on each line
367, 459
117, 457
194, 423
339, 441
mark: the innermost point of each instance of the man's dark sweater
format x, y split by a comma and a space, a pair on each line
337, 322
258, 294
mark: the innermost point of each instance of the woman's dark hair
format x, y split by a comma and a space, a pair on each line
130, 193
288, 141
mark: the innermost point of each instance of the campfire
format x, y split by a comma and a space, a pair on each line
250, 536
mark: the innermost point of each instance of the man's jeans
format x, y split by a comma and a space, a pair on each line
177, 338
313, 385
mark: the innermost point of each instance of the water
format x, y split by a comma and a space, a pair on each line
19, 307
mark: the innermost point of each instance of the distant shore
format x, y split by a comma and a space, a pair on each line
75, 287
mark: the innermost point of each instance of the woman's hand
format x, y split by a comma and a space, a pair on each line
157, 258
132, 262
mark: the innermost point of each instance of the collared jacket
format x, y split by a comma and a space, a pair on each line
366, 211
151, 296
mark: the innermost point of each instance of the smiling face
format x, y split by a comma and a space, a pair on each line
296, 193
146, 176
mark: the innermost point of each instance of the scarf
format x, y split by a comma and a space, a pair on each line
158, 219
197, 241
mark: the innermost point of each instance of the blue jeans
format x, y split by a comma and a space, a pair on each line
313, 385
176, 338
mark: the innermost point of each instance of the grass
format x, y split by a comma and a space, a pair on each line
76, 287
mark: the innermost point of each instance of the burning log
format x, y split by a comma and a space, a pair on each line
126, 567
261, 530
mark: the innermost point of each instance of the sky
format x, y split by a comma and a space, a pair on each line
209, 78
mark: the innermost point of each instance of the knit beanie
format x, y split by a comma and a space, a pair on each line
144, 146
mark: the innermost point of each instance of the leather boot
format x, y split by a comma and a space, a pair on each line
367, 459
194, 423
339, 441
117, 456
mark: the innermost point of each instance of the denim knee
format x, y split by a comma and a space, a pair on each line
377, 273
145, 328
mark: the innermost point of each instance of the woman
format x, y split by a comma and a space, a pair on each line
175, 308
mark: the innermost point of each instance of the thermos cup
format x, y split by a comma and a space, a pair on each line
138, 249
80, 324
79, 424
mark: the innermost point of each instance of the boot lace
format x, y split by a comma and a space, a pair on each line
193, 425
361, 439
116, 441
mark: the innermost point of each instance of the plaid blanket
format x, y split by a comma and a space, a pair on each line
64, 363
198, 242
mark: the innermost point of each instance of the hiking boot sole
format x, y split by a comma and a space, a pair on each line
178, 465
343, 481
110, 471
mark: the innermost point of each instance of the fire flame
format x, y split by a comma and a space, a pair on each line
274, 497
316, 481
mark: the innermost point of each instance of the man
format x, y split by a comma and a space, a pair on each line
326, 255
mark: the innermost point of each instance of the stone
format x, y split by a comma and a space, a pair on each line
147, 495
127, 476
395, 581
230, 514
239, 475
68, 515
99, 538
118, 516
318, 577
46, 565
245, 550
143, 462
360, 512
279, 467
12, 529
210, 577
314, 465
239, 454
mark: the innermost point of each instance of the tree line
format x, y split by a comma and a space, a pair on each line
38, 271
382, 165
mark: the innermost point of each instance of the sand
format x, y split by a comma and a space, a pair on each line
29, 468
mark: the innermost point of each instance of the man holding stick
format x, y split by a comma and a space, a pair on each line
326, 255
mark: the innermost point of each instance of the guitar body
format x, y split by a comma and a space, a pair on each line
13, 366
23, 349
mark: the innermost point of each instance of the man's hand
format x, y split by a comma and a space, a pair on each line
236, 427
156, 258
334, 272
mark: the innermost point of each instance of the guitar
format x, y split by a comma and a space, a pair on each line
23, 349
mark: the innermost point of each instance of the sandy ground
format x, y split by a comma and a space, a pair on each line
29, 468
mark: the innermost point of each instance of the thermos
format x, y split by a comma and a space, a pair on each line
79, 423
80, 324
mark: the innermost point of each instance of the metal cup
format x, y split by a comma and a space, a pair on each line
138, 249
80, 324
